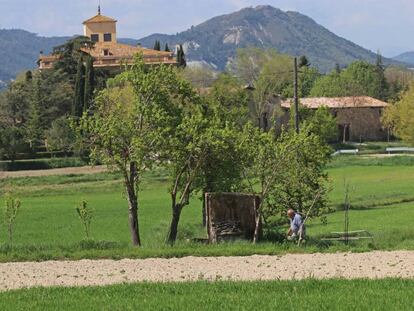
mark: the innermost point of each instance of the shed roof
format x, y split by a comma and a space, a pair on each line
338, 102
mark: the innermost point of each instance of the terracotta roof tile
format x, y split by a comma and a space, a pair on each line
122, 50
338, 102
99, 19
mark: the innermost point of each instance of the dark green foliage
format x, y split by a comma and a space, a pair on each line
70, 53
181, 60
167, 48
61, 136
78, 102
89, 83
157, 46
34, 126
303, 62
29, 76
41, 164
359, 79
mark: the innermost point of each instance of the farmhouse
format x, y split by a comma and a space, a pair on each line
358, 118
107, 52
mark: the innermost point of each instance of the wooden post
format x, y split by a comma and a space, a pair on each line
296, 95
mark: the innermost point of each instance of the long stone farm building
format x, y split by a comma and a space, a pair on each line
107, 52
358, 118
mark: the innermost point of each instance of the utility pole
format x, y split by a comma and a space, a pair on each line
295, 95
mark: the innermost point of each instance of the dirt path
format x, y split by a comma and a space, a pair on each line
399, 264
55, 171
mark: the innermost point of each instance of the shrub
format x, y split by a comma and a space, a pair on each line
85, 214
11, 209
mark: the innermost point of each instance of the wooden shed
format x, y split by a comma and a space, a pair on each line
231, 216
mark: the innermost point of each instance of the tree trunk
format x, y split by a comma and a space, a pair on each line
172, 233
258, 224
204, 211
133, 205
133, 223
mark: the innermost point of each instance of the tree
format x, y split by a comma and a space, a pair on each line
399, 79
61, 136
149, 101
78, 102
167, 48
69, 54
14, 108
400, 117
157, 45
303, 62
181, 60
289, 171
200, 77
321, 123
89, 83
204, 156
34, 126
358, 79
11, 209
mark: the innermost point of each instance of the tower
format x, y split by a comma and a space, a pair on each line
100, 28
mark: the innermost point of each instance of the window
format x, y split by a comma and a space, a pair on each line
107, 37
106, 52
95, 38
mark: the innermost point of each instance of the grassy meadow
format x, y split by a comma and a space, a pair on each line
382, 198
388, 294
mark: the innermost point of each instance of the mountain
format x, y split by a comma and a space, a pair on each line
407, 57
216, 40
213, 42
19, 50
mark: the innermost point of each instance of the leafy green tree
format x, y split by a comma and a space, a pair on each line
290, 173
149, 101
14, 108
322, 123
267, 73
167, 48
60, 136
358, 79
400, 117
399, 80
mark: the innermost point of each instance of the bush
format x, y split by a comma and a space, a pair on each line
41, 164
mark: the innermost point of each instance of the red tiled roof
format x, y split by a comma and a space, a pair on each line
99, 19
338, 102
122, 50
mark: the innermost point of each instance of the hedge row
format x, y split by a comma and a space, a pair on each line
41, 164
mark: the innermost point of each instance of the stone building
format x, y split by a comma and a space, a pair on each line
358, 118
107, 52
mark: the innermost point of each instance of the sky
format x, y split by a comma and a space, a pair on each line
384, 25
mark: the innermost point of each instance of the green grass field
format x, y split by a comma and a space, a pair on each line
376, 295
382, 191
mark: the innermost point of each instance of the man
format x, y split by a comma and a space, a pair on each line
297, 227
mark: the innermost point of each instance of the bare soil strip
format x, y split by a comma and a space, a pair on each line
373, 265
56, 171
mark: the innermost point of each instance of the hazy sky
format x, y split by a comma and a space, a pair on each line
387, 25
